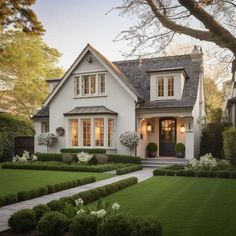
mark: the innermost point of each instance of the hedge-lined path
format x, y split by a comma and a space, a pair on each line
7, 211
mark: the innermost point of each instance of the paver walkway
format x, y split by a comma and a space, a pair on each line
7, 211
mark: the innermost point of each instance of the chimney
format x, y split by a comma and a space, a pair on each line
197, 55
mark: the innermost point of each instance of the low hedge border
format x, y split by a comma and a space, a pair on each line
48, 189
49, 156
193, 173
78, 150
123, 159
129, 169
81, 168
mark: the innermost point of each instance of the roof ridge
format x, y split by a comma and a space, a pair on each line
153, 58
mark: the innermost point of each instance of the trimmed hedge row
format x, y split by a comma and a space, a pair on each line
194, 173
124, 159
48, 189
81, 168
128, 169
49, 156
89, 150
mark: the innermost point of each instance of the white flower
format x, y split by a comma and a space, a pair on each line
129, 139
79, 202
115, 206
80, 212
94, 213
84, 157
101, 213
34, 158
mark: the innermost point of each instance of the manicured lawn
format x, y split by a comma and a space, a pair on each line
185, 206
13, 181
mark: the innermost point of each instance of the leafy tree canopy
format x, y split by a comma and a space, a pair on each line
17, 14
25, 63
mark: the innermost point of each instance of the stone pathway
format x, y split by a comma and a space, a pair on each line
7, 211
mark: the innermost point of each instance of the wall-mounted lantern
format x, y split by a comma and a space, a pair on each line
182, 129
149, 127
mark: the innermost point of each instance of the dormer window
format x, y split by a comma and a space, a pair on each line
165, 86
90, 85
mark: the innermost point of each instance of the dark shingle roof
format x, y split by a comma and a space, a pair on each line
43, 113
140, 78
90, 110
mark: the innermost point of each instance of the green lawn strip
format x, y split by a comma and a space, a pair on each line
13, 181
185, 206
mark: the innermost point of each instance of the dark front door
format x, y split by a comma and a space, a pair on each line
167, 136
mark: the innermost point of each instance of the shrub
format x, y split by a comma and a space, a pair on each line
49, 156
230, 144
179, 147
10, 199
78, 150
115, 225
190, 173
146, 226
180, 173
175, 167
124, 159
159, 172
125, 170
85, 225
99, 158
170, 172
56, 205
23, 220
211, 174
12, 126
202, 173
53, 224
223, 174
40, 210
152, 147
233, 174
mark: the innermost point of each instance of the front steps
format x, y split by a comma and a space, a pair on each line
161, 162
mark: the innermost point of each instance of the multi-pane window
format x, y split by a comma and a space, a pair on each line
86, 128
160, 87
74, 132
44, 127
165, 87
170, 87
110, 132
99, 132
86, 85
101, 83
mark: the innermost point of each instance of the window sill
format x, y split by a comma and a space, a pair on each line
90, 96
93, 147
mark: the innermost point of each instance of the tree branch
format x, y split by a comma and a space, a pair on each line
168, 23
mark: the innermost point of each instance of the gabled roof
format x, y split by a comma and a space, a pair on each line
90, 110
43, 113
113, 69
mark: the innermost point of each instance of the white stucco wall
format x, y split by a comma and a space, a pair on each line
37, 129
116, 99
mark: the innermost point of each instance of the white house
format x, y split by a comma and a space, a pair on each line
97, 100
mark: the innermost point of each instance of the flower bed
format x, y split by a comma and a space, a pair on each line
129, 169
71, 214
75, 167
48, 189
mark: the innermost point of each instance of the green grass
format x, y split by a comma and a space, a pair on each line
13, 181
185, 206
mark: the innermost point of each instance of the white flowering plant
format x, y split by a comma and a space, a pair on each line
101, 210
84, 157
208, 162
47, 139
26, 157
130, 139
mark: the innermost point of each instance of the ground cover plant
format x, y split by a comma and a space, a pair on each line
13, 181
184, 206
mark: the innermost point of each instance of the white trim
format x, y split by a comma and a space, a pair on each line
74, 65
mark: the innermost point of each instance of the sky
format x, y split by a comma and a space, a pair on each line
71, 24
